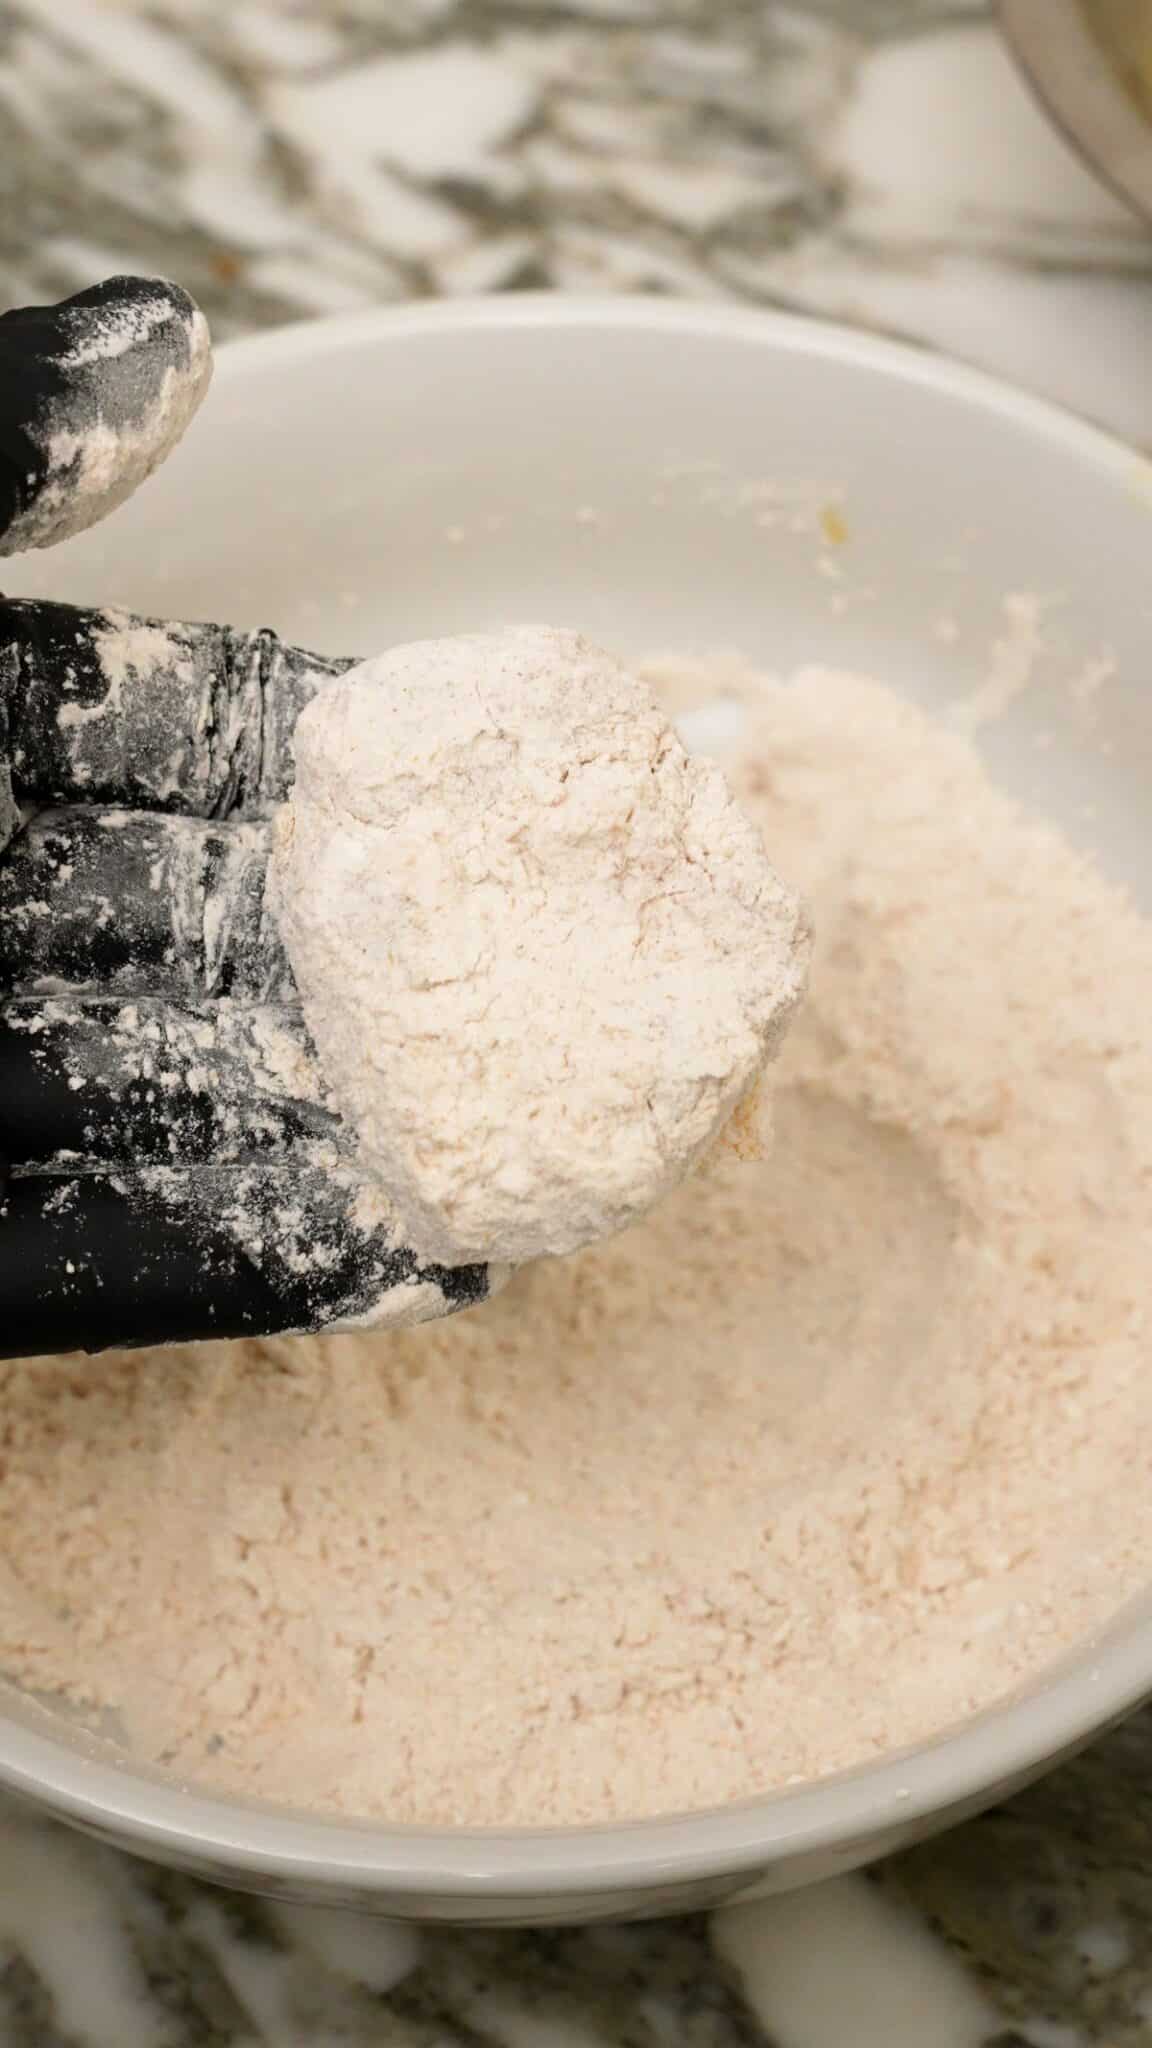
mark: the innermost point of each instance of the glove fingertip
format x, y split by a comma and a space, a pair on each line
94, 393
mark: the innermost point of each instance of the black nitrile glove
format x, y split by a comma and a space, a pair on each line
173, 1168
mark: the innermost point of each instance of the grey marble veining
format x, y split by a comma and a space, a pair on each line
873, 159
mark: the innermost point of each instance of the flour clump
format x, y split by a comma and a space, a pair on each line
541, 950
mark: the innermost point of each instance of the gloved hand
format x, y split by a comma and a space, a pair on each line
173, 1167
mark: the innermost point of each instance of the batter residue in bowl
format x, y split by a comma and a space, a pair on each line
830, 1450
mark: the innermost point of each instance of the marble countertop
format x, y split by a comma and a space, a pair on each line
876, 160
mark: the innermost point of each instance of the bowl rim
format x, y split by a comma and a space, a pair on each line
1093, 1687
1068, 70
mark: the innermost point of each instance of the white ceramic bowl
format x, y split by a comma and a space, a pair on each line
658, 475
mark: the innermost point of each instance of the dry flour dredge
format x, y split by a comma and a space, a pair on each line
827, 1451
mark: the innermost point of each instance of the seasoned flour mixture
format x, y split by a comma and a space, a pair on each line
541, 951
826, 1452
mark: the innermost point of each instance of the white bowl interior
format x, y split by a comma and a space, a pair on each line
671, 478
